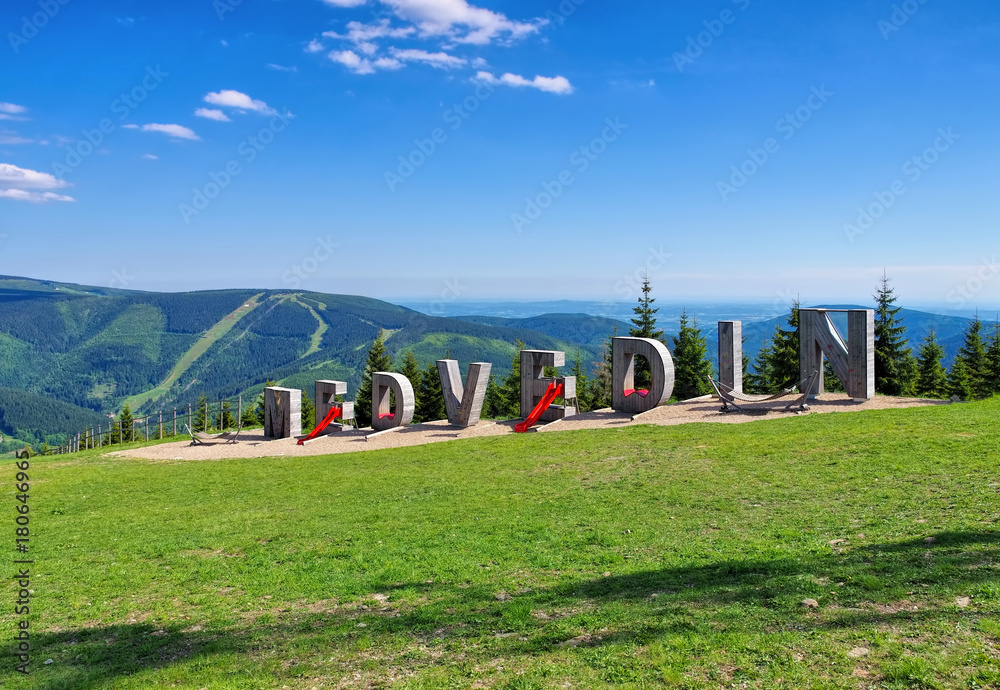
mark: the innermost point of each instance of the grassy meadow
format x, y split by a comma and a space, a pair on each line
634, 558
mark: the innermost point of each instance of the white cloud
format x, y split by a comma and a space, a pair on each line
345, 3
33, 197
557, 85
314, 46
212, 114
439, 60
359, 32
9, 111
7, 137
236, 99
173, 131
20, 184
281, 68
353, 61
150, 157
479, 63
460, 21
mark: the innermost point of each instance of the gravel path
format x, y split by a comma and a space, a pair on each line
253, 445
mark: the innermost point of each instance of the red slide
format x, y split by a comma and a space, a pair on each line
331, 415
551, 393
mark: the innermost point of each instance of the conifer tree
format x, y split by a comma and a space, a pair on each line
224, 418
508, 405
644, 326
378, 360
600, 387
932, 379
893, 360
582, 383
430, 396
759, 380
493, 404
993, 361
831, 384
125, 424
200, 415
973, 356
308, 412
691, 365
959, 383
784, 366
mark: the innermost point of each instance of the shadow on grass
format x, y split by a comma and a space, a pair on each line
858, 587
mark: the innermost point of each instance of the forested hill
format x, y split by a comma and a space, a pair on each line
98, 348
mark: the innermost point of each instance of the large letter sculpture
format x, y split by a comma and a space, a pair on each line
731, 354
853, 361
326, 398
624, 397
534, 384
383, 416
463, 405
282, 412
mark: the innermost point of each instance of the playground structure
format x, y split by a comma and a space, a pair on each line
464, 405
852, 360
624, 396
537, 389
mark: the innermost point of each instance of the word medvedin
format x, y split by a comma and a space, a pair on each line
914, 169
31, 26
789, 125
122, 107
581, 159
249, 148
455, 116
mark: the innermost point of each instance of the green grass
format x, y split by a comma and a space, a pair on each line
640, 557
200, 347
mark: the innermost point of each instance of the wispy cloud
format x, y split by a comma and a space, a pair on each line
281, 68
22, 184
8, 137
439, 60
212, 114
172, 131
150, 157
9, 111
556, 85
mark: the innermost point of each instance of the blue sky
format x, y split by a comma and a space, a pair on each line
734, 149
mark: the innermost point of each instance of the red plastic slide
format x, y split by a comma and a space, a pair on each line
331, 415
631, 391
551, 393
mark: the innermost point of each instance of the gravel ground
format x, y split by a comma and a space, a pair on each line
253, 445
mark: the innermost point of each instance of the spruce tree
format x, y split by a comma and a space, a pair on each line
644, 326
993, 361
493, 404
600, 387
831, 384
125, 423
308, 412
224, 418
378, 360
691, 365
582, 383
893, 360
759, 380
784, 366
973, 355
200, 415
510, 389
959, 383
932, 379
430, 396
